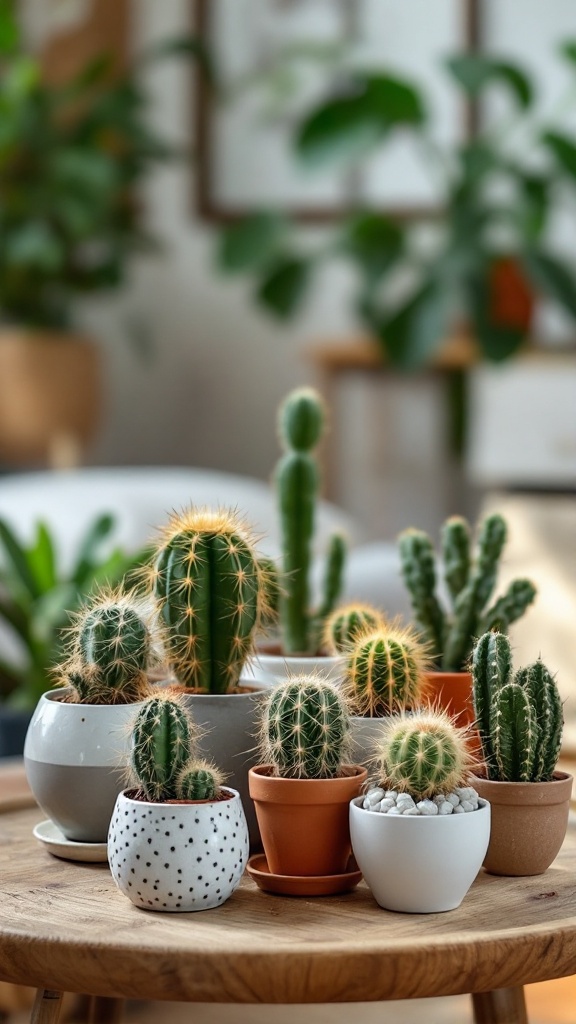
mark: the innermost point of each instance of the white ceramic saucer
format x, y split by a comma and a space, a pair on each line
56, 843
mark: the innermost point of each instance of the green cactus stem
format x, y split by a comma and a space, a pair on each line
423, 755
491, 670
419, 572
199, 780
514, 733
209, 585
510, 607
456, 554
304, 729
346, 623
300, 425
163, 738
547, 704
385, 671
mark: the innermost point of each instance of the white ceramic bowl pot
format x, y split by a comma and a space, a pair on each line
419, 864
178, 856
269, 669
75, 757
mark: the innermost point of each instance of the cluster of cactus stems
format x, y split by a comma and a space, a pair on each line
300, 425
385, 671
423, 755
305, 729
345, 623
470, 582
113, 643
211, 590
163, 761
519, 716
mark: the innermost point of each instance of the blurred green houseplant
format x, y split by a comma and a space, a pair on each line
490, 251
37, 597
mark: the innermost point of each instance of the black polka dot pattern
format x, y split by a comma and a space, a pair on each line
195, 865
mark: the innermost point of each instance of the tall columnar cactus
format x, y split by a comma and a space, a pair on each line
300, 425
304, 729
385, 671
423, 755
163, 739
114, 641
519, 717
470, 582
346, 623
210, 587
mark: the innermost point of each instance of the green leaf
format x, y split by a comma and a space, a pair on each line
51, 612
42, 558
87, 557
375, 242
552, 278
15, 616
563, 149
34, 245
16, 555
283, 288
567, 49
412, 333
474, 72
9, 31
250, 243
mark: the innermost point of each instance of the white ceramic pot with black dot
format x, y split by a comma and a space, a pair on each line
178, 856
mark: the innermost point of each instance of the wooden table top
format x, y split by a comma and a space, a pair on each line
65, 926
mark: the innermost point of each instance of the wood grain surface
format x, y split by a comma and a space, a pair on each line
64, 926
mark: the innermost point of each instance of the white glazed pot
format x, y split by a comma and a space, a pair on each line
270, 669
178, 856
76, 756
417, 864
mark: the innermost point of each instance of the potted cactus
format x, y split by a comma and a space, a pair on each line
301, 421
211, 589
345, 623
519, 718
421, 834
302, 789
470, 578
76, 745
385, 674
178, 839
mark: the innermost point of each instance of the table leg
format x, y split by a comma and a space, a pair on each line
106, 1011
502, 1006
46, 1009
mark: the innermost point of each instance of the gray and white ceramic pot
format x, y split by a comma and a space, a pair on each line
268, 669
178, 856
76, 758
229, 722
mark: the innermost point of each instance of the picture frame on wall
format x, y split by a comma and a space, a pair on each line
274, 59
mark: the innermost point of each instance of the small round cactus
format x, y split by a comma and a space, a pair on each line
114, 641
346, 623
304, 730
199, 780
385, 671
423, 754
163, 740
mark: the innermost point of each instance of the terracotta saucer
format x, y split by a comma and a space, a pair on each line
302, 885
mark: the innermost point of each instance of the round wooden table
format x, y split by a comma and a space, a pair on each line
64, 927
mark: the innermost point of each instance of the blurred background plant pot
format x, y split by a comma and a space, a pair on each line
50, 395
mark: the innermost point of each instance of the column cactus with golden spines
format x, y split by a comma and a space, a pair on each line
210, 587
385, 671
519, 717
470, 582
423, 755
300, 425
304, 729
113, 642
346, 623
163, 741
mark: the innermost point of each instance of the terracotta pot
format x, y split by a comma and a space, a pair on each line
511, 295
452, 692
49, 395
304, 822
529, 821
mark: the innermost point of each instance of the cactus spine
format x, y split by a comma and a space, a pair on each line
519, 718
346, 623
423, 755
385, 671
210, 588
113, 644
304, 729
470, 583
300, 425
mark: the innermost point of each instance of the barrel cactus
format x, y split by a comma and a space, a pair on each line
385, 671
304, 729
115, 640
199, 780
344, 624
300, 426
424, 754
519, 716
470, 582
210, 587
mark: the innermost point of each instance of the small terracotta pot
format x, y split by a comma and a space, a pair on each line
304, 822
452, 692
529, 821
